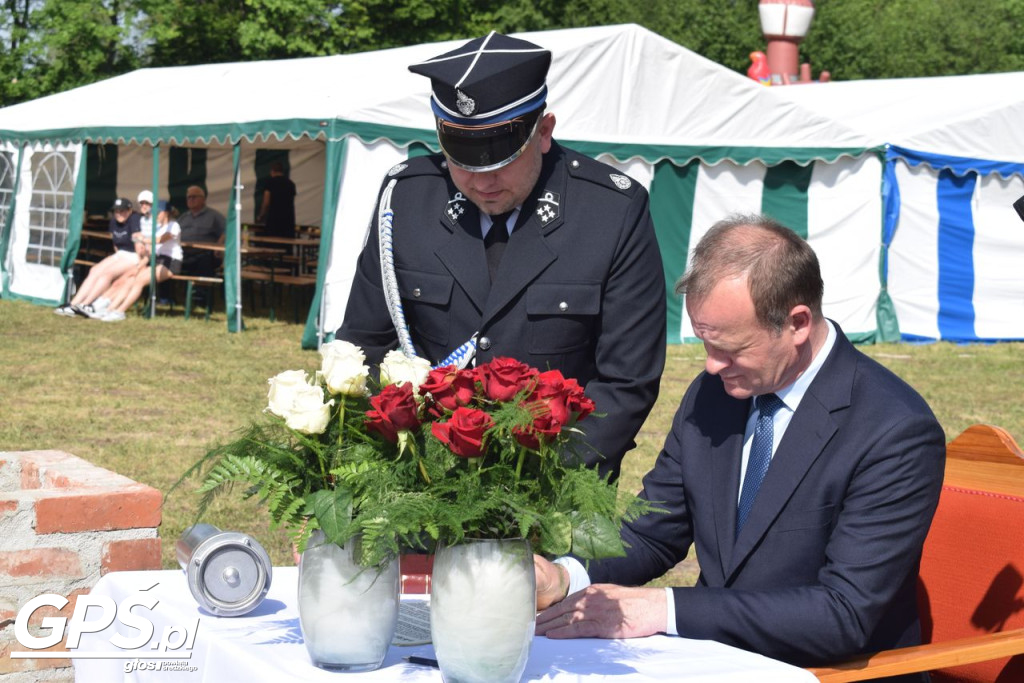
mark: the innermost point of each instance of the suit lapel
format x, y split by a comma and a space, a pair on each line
527, 254
463, 253
725, 473
809, 432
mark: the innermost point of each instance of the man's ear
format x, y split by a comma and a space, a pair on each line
799, 321
546, 129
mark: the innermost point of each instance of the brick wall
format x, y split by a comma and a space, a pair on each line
63, 524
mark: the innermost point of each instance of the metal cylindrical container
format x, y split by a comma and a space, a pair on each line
228, 572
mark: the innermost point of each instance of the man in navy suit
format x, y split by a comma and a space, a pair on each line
509, 244
818, 560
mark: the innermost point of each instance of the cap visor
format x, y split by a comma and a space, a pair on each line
485, 148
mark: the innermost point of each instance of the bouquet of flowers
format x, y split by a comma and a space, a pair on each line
424, 455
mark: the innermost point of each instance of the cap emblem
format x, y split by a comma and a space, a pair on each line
547, 207
455, 208
621, 181
465, 103
396, 169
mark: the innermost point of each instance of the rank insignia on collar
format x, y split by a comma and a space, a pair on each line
396, 169
455, 208
621, 181
547, 207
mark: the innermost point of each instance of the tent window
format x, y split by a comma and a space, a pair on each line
6, 185
50, 210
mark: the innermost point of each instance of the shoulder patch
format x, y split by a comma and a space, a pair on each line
622, 182
600, 173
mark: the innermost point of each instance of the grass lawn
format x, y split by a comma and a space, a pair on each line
147, 398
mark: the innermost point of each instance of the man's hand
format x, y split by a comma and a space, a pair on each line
552, 582
605, 610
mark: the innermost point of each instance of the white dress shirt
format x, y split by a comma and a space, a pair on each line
486, 221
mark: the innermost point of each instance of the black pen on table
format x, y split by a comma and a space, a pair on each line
422, 661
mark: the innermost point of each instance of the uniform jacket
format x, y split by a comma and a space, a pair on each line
826, 565
580, 287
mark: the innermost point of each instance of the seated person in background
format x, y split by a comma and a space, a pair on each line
805, 473
200, 224
124, 225
277, 207
127, 290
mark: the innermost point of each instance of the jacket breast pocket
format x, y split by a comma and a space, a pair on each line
562, 315
426, 300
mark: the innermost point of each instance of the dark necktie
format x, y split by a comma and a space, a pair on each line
494, 243
760, 455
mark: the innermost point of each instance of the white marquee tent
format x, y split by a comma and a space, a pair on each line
705, 140
954, 167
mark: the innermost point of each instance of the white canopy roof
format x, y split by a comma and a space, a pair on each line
626, 88
976, 117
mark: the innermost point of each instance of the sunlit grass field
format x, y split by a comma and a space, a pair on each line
147, 398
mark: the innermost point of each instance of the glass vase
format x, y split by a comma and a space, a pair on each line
347, 612
483, 610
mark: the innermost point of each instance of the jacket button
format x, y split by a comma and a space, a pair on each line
563, 307
484, 343
416, 293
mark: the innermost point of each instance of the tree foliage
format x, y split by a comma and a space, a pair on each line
54, 45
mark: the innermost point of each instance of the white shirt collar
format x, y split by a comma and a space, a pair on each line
794, 393
486, 221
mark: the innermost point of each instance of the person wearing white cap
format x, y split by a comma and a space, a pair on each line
124, 226
127, 290
508, 244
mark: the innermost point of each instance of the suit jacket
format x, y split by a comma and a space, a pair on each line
580, 287
826, 565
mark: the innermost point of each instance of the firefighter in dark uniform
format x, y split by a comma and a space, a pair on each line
508, 244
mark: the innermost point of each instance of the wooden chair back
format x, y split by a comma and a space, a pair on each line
972, 571
971, 582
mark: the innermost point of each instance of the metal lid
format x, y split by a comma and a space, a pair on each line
229, 574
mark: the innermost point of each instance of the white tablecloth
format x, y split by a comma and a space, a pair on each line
266, 645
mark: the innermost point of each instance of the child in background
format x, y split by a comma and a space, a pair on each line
168, 262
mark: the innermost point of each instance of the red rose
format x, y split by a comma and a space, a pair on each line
394, 410
449, 386
464, 432
576, 401
552, 393
503, 378
544, 428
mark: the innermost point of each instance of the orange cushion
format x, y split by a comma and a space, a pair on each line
972, 577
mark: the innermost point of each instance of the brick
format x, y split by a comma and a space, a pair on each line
30, 474
36, 619
130, 508
7, 507
40, 563
9, 665
130, 555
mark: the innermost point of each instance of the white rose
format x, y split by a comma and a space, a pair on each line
300, 403
397, 368
282, 391
343, 370
309, 413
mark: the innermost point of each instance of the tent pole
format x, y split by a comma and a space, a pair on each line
7, 229
153, 211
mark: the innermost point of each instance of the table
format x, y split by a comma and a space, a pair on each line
300, 245
266, 645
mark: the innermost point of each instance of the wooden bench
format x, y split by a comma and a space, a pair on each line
971, 583
283, 279
202, 281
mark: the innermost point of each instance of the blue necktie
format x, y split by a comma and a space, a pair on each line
760, 455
